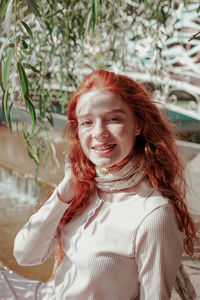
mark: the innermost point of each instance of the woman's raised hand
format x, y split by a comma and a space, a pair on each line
67, 187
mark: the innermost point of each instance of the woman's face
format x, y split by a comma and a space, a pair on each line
106, 127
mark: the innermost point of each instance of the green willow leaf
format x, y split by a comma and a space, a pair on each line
4, 103
31, 108
33, 6
50, 28
32, 150
24, 43
31, 68
35, 149
1, 79
50, 119
6, 68
94, 14
26, 52
11, 45
55, 13
10, 117
28, 29
19, 11
26, 134
23, 79
34, 156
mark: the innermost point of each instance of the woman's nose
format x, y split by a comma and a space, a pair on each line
100, 130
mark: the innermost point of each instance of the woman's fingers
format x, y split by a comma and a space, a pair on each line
67, 187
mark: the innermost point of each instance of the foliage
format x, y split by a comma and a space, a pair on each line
47, 46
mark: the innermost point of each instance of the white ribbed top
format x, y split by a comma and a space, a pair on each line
125, 250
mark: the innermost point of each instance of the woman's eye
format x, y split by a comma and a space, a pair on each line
86, 123
115, 119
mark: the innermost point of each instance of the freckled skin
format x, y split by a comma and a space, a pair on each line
106, 127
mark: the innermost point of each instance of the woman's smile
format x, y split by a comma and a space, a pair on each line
104, 149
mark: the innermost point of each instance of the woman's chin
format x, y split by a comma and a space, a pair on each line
108, 164
113, 165
105, 165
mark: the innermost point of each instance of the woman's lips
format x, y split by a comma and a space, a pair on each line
104, 149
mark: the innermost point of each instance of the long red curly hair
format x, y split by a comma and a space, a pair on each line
155, 148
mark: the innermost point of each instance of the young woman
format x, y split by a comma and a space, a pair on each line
118, 218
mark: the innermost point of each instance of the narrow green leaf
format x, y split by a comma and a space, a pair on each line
25, 133
50, 28
31, 108
6, 68
24, 43
11, 45
4, 103
27, 137
33, 6
1, 79
25, 129
23, 79
19, 11
35, 152
94, 13
28, 29
30, 155
34, 156
18, 38
26, 52
31, 68
10, 117
55, 13
163, 16
50, 119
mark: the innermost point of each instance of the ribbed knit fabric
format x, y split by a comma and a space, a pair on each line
126, 250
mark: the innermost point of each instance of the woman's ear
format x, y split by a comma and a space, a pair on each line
139, 126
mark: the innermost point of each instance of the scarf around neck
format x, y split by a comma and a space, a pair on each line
129, 175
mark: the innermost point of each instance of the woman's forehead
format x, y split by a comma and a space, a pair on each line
99, 100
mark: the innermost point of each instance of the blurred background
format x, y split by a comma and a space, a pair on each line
46, 48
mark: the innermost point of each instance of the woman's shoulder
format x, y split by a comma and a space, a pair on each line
145, 198
135, 208
145, 206
153, 200
158, 220
147, 201
155, 204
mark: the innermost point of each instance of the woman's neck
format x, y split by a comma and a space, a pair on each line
124, 194
125, 176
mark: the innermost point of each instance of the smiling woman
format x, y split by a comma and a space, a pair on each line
118, 219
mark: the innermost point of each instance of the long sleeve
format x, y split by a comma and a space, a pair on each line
158, 252
38, 238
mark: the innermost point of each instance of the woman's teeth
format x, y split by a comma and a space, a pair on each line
103, 147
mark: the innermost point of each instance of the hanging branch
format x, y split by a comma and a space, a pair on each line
193, 37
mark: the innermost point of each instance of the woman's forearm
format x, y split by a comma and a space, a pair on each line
38, 238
